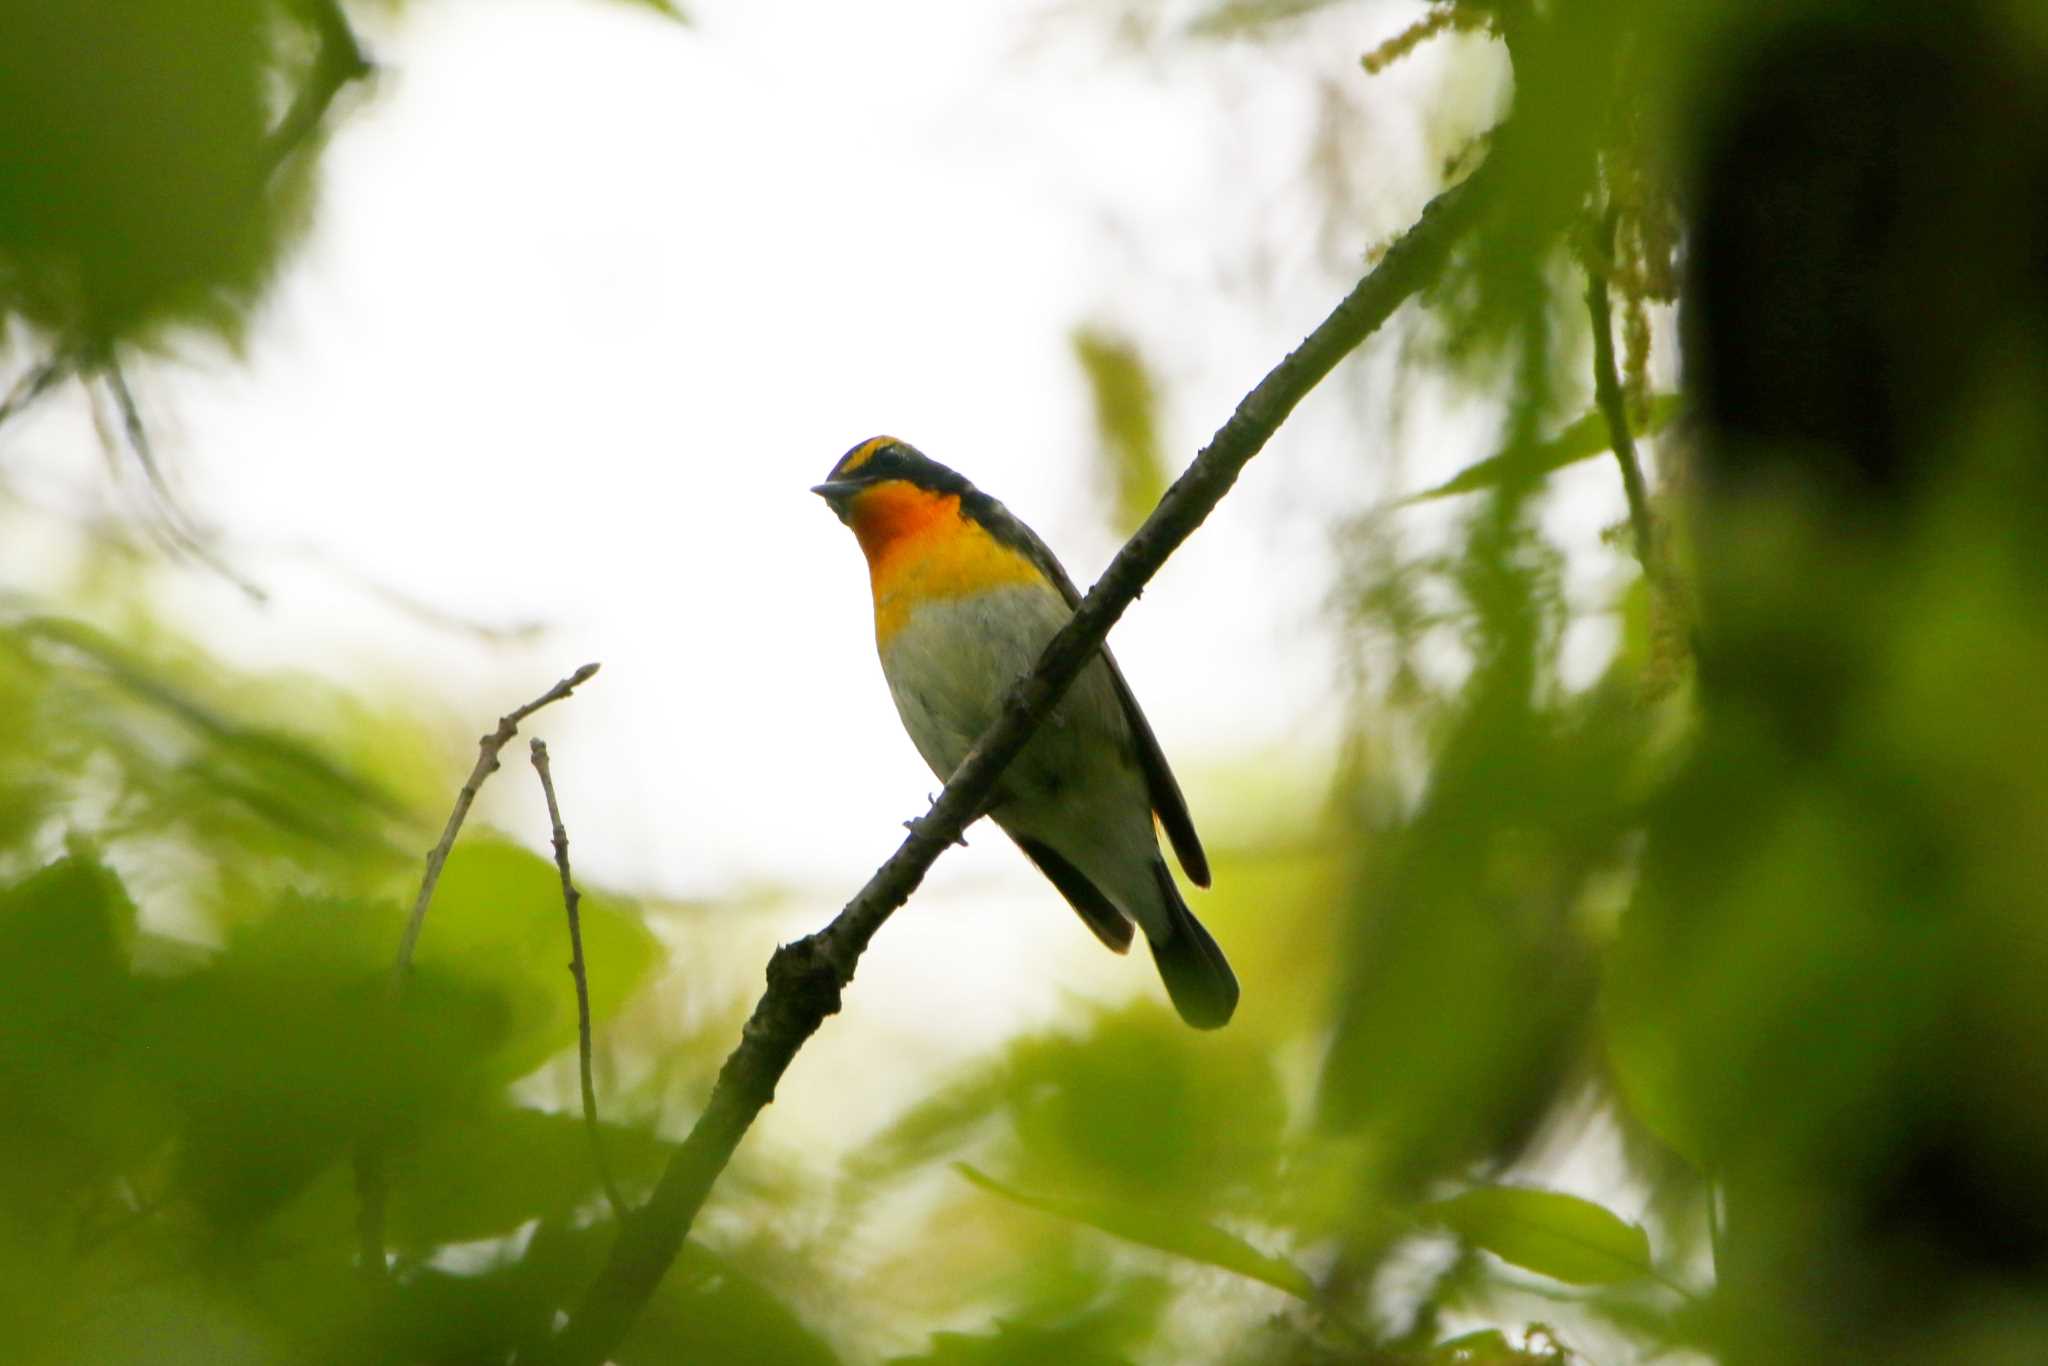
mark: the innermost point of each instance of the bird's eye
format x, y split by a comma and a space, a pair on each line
866, 459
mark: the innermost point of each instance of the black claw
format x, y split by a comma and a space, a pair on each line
916, 824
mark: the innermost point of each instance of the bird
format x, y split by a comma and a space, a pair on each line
965, 598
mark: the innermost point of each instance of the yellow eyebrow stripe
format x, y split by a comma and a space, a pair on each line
864, 452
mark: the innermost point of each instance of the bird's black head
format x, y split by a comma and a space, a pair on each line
879, 460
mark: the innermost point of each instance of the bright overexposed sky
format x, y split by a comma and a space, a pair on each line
593, 297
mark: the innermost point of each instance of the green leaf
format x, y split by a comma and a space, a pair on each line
497, 920
282, 1048
280, 1052
1582, 440
481, 1173
711, 1312
1086, 1106
70, 1013
1555, 1235
1153, 1227
1126, 409
126, 194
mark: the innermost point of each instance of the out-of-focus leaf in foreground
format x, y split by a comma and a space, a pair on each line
1148, 1226
280, 1054
1102, 1331
69, 1018
1126, 424
1472, 991
1556, 1235
481, 1172
1133, 1105
712, 1311
498, 919
135, 163
1582, 440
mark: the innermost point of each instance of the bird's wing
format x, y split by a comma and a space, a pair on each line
1097, 912
1167, 802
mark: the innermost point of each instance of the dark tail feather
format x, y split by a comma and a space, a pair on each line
1203, 988
1088, 902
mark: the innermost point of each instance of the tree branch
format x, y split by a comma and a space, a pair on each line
572, 901
1608, 395
805, 978
369, 1156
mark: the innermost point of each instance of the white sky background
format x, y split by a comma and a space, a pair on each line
593, 298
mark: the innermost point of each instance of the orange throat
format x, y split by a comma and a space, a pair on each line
920, 548
892, 518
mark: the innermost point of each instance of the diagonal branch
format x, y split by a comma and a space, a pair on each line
805, 978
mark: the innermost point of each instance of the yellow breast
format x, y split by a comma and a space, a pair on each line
920, 549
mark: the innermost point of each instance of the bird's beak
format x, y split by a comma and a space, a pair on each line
837, 493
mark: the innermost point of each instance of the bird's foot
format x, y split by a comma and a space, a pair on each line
916, 823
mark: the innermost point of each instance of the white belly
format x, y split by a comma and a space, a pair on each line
1077, 784
951, 663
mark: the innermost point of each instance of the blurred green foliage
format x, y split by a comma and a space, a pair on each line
1127, 416
1531, 462
1560, 1236
136, 164
1692, 1011
191, 1067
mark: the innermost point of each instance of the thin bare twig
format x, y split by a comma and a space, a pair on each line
171, 522
805, 978
32, 386
1607, 393
139, 443
487, 751
371, 1189
572, 901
